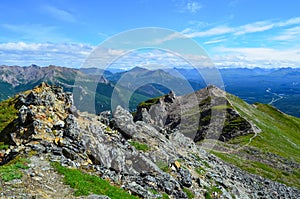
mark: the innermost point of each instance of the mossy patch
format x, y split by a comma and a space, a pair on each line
13, 170
189, 193
139, 146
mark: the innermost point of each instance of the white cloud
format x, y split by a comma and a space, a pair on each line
188, 6
215, 41
189, 33
150, 58
288, 34
19, 46
219, 30
259, 26
257, 57
74, 55
253, 27
21, 53
60, 14
292, 21
193, 7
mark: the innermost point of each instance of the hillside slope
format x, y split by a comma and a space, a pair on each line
275, 151
257, 138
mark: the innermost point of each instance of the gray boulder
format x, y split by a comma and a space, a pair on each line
123, 122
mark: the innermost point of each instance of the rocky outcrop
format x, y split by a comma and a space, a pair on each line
142, 157
123, 122
198, 115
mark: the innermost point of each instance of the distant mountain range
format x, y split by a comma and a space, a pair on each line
279, 87
15, 79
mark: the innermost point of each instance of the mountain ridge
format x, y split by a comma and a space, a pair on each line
212, 103
252, 85
248, 134
134, 155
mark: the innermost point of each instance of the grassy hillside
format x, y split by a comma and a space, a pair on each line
8, 113
85, 184
273, 153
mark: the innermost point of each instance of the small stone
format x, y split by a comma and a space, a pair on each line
94, 196
59, 124
186, 178
37, 178
128, 162
56, 140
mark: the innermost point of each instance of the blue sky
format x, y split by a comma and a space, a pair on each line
234, 33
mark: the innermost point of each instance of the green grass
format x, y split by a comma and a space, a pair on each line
206, 164
221, 107
280, 132
209, 193
196, 156
13, 170
189, 193
200, 170
108, 129
3, 146
164, 166
280, 136
7, 112
153, 191
165, 196
147, 104
86, 184
139, 146
206, 101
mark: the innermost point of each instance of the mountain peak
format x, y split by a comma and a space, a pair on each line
216, 91
193, 115
138, 69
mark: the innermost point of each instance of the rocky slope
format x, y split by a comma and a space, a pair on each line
198, 115
49, 128
257, 138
